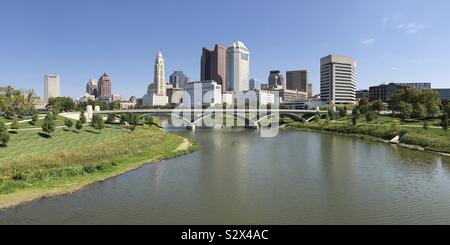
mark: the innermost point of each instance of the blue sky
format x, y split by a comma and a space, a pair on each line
395, 40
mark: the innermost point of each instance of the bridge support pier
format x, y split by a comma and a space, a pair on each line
191, 127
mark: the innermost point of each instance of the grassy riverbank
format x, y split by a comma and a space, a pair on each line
428, 139
33, 166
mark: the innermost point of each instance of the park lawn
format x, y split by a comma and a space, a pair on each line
33, 166
30, 142
58, 122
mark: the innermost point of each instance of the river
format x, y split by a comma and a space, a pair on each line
237, 177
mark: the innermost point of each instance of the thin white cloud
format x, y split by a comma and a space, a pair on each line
368, 41
394, 68
410, 28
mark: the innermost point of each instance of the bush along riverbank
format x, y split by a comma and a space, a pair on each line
428, 142
80, 159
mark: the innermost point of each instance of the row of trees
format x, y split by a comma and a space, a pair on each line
14, 102
419, 104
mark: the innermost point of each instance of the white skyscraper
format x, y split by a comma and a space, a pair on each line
338, 79
51, 86
158, 79
238, 67
156, 92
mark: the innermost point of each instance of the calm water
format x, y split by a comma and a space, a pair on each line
238, 178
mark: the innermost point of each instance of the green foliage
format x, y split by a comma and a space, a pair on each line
84, 156
425, 124
317, 117
445, 123
79, 125
49, 124
354, 119
4, 134
342, 111
111, 118
82, 117
34, 117
68, 123
405, 109
331, 114
377, 105
419, 111
370, 116
15, 124
61, 104
426, 102
16, 102
98, 122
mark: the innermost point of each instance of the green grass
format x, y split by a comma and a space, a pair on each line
58, 122
32, 143
433, 139
33, 166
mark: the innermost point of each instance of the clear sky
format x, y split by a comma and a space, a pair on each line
391, 40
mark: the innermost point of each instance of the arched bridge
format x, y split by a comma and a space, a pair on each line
192, 117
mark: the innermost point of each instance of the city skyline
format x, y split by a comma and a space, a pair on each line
389, 45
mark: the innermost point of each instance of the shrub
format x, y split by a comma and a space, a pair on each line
89, 168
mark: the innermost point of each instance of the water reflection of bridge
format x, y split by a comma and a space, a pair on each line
192, 117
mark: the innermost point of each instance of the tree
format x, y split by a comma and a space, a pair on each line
331, 114
431, 100
97, 122
68, 123
377, 105
405, 109
79, 125
55, 113
364, 101
354, 119
111, 118
34, 117
425, 124
149, 120
317, 117
15, 125
356, 113
370, 116
343, 111
133, 121
419, 111
4, 134
445, 123
49, 124
61, 103
82, 117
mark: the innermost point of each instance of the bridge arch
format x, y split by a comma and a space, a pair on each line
253, 122
189, 123
296, 116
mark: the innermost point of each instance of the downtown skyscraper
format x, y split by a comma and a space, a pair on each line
338, 79
52, 86
238, 67
213, 65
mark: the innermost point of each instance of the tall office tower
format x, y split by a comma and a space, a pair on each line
310, 90
92, 87
254, 84
104, 87
213, 65
275, 79
237, 67
178, 79
52, 86
297, 80
338, 79
158, 78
